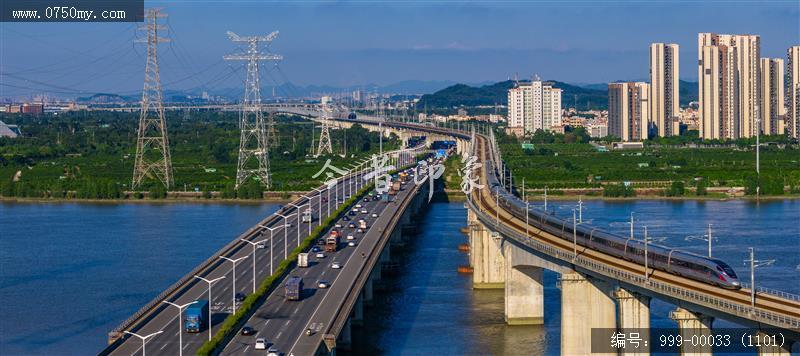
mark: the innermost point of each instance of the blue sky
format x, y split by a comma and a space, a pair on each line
360, 42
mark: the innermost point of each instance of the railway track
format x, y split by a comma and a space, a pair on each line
764, 301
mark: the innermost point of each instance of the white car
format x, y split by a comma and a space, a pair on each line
323, 285
261, 245
273, 351
351, 237
320, 255
261, 344
358, 206
351, 243
374, 215
364, 211
336, 265
338, 225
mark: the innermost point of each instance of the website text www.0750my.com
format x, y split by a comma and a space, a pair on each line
68, 13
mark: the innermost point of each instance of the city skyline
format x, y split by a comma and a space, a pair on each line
430, 43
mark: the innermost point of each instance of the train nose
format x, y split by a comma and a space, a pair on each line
736, 284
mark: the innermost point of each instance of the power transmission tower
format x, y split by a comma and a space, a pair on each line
253, 140
324, 136
152, 135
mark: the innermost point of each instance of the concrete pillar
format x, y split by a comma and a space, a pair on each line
585, 304
524, 295
634, 316
376, 272
487, 259
692, 324
386, 255
368, 291
345, 337
358, 311
775, 350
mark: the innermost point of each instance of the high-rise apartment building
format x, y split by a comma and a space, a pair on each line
534, 106
772, 110
628, 108
728, 82
792, 118
664, 98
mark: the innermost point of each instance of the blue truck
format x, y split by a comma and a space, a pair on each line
196, 317
294, 288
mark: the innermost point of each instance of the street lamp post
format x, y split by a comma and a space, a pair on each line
180, 324
233, 291
286, 233
298, 208
646, 276
497, 208
254, 244
631, 237
527, 208
580, 209
209, 300
754, 263
545, 199
271, 244
706, 238
144, 338
574, 235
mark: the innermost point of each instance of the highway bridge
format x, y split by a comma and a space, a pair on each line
598, 290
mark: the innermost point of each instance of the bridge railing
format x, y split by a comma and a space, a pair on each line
744, 311
775, 292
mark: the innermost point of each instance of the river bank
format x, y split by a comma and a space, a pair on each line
457, 195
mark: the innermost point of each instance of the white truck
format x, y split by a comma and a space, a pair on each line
307, 217
302, 260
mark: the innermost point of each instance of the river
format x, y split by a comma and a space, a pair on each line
72, 271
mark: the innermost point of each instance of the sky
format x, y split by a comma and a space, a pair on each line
345, 43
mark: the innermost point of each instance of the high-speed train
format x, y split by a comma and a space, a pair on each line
689, 265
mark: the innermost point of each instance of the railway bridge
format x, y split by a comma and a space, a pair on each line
599, 292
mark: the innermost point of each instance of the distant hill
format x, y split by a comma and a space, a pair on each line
688, 91
104, 98
465, 95
462, 94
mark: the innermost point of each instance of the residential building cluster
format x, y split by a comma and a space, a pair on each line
740, 93
25, 108
533, 106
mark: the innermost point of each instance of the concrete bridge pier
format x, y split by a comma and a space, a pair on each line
345, 341
524, 292
633, 315
357, 318
692, 324
367, 291
487, 259
586, 303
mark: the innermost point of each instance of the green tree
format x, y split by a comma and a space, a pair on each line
702, 187
676, 189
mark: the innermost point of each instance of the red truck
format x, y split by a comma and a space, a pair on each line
332, 241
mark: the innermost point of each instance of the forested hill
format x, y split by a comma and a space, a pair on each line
465, 95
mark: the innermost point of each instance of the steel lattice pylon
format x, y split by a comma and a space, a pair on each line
324, 136
152, 134
253, 141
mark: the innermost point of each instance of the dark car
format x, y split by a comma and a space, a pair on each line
315, 249
366, 199
352, 213
247, 330
351, 225
346, 218
240, 297
321, 242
